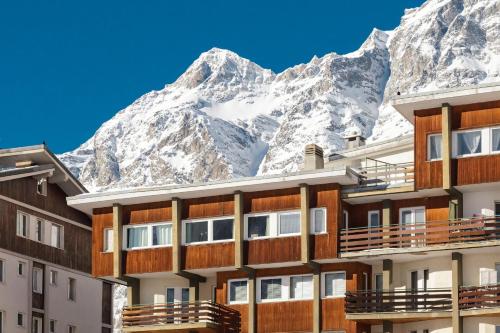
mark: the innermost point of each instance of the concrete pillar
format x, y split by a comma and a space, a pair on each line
117, 240
238, 230
176, 234
456, 282
133, 291
387, 326
194, 290
446, 116
386, 213
387, 274
305, 224
317, 311
252, 296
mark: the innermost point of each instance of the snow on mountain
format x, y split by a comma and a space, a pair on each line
228, 117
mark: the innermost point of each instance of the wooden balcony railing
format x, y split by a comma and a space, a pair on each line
479, 297
372, 301
375, 172
420, 235
226, 319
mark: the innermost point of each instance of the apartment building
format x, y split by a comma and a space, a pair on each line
398, 236
45, 250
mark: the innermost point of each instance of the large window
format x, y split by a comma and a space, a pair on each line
147, 235
434, 142
238, 291
40, 230
37, 280
270, 289
469, 143
289, 223
412, 215
318, 220
284, 288
258, 226
208, 230
301, 287
334, 284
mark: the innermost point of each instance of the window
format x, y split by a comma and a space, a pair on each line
37, 325
71, 329
21, 319
495, 140
52, 326
258, 226
318, 220
301, 287
144, 236
413, 215
53, 277
108, 240
434, 147
345, 219
334, 284
2, 272
488, 276
22, 224
270, 289
41, 186
21, 268
37, 280
238, 291
185, 295
468, 143
39, 225
1, 322
170, 295
379, 285
223, 229
497, 329
289, 223
56, 235
71, 289
373, 219
196, 232
137, 237
162, 235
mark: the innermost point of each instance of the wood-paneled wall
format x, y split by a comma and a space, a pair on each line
272, 250
102, 263
222, 205
271, 201
326, 246
208, 255
147, 260
291, 316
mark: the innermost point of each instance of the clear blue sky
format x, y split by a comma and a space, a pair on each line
68, 66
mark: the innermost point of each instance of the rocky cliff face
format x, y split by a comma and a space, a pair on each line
228, 117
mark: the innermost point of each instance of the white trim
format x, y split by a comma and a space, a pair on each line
149, 227
412, 209
41, 211
323, 284
273, 224
229, 291
312, 218
291, 212
285, 289
106, 248
428, 148
485, 142
210, 230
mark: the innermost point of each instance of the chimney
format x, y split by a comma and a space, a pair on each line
354, 140
23, 164
313, 158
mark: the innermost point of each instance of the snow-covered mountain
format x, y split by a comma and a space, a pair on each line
228, 117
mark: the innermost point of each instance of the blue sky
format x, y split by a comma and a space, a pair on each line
68, 66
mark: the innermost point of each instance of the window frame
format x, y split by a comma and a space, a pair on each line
53, 277
149, 227
490, 143
413, 209
312, 218
2, 321
71, 328
40, 233
273, 224
485, 142
50, 324
290, 287
27, 228
23, 265
105, 246
429, 159
269, 226
61, 236
278, 226
39, 286
229, 291
323, 284
72, 299
23, 319
40, 321
210, 230
3, 272
285, 288
370, 213
282, 293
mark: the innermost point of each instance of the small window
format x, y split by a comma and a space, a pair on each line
495, 140
56, 235
434, 147
468, 143
71, 289
37, 325
223, 229
289, 223
41, 186
170, 295
37, 280
53, 278
258, 226
1, 322
137, 237
318, 220
21, 320
39, 226
108, 240
335, 285
52, 326
185, 295
162, 235
2, 271
196, 232
22, 224
238, 291
345, 219
21, 268
373, 219
270, 289
71, 329
301, 287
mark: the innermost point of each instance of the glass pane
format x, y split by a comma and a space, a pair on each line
378, 282
170, 295
162, 234
197, 232
420, 215
469, 143
435, 146
495, 139
55, 236
185, 294
335, 284
238, 291
223, 229
319, 221
289, 223
270, 289
137, 237
301, 287
374, 220
258, 226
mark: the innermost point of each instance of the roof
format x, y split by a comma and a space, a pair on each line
87, 202
406, 104
44, 161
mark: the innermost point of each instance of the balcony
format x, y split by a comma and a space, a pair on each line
484, 300
181, 317
372, 306
432, 235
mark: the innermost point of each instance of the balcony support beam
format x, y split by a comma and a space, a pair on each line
176, 234
117, 240
386, 213
387, 274
446, 116
456, 282
305, 223
317, 311
456, 204
238, 229
252, 300
133, 290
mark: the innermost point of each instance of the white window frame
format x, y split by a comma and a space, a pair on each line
492, 152
278, 227
229, 291
273, 224
23, 264
53, 277
61, 236
39, 280
40, 323
106, 247
413, 209
323, 284
285, 289
23, 319
485, 142
290, 287
210, 230
69, 290
370, 213
27, 230
149, 227
429, 159
313, 220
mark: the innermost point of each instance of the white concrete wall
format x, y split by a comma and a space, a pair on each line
15, 294
434, 326
474, 263
480, 203
155, 289
481, 324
